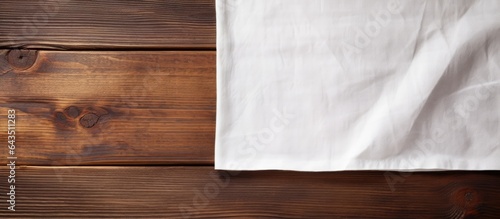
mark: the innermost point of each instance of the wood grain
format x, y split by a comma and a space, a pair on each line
107, 24
174, 192
85, 108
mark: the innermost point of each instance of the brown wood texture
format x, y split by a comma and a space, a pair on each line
107, 24
200, 192
87, 108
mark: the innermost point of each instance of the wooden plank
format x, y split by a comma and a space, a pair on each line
65, 24
173, 192
84, 108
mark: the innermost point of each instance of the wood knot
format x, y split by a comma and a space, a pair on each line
62, 122
467, 201
89, 120
22, 59
72, 111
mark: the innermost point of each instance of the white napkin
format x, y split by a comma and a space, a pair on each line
327, 85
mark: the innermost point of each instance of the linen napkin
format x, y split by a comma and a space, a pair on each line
329, 85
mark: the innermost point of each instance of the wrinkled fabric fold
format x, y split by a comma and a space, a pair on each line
329, 85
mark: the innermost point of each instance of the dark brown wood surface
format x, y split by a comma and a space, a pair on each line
107, 24
122, 126
176, 192
82, 108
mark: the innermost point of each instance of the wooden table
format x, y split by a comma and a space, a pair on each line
115, 116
